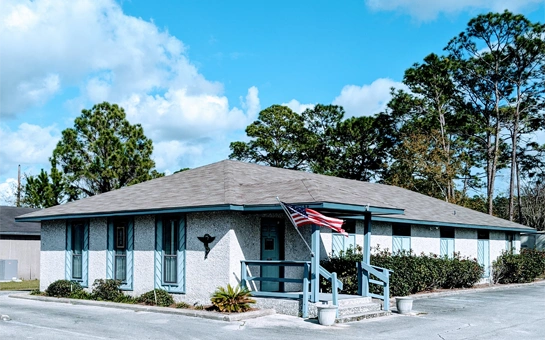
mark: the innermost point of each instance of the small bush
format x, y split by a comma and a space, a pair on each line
106, 290
156, 297
183, 305
125, 299
232, 299
62, 288
81, 295
519, 268
35, 292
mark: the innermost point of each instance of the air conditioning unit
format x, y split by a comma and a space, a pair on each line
8, 270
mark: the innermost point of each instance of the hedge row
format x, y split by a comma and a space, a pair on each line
107, 290
519, 268
411, 273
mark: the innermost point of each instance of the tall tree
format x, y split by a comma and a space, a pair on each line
278, 139
46, 190
103, 152
363, 148
430, 153
322, 144
486, 69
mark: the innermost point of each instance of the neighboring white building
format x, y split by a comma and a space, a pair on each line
20, 241
148, 234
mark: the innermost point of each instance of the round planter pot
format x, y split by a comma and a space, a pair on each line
404, 304
327, 314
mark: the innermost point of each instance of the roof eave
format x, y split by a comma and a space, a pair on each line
223, 207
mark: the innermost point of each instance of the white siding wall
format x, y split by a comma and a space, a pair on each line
52, 255
381, 235
465, 242
425, 239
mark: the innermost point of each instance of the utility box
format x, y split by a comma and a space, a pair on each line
8, 270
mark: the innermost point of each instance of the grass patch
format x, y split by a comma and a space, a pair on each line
23, 285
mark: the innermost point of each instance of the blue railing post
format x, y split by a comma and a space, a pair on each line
315, 266
305, 290
365, 282
334, 291
243, 274
387, 291
360, 281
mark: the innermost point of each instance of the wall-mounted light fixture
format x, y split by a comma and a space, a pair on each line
206, 240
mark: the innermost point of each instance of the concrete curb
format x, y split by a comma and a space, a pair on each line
469, 290
140, 308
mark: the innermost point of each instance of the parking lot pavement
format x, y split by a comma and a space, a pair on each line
515, 313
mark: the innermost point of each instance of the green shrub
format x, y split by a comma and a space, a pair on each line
183, 305
122, 298
62, 288
232, 299
411, 273
156, 297
81, 295
106, 290
35, 292
519, 268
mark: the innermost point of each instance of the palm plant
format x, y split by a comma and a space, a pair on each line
232, 299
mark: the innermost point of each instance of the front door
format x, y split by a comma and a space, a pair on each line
270, 251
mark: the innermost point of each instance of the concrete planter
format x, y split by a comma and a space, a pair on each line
404, 304
327, 314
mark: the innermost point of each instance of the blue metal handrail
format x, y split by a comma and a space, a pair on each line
364, 279
306, 269
336, 285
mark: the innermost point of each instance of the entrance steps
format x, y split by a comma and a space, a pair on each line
351, 307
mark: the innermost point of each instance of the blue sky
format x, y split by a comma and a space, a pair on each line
196, 73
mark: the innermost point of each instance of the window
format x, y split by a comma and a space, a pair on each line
119, 265
120, 251
483, 251
341, 242
401, 237
77, 251
447, 241
170, 250
170, 253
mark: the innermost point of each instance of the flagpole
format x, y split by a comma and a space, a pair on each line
295, 225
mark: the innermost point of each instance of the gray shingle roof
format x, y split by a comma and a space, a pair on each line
237, 183
8, 226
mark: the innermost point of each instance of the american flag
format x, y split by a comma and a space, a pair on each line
301, 216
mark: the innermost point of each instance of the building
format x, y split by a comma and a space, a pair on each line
20, 241
153, 234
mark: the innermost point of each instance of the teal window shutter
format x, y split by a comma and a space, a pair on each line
447, 247
169, 262
483, 256
401, 243
77, 252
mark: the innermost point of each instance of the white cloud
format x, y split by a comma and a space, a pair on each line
8, 190
366, 100
92, 45
427, 10
29, 145
298, 107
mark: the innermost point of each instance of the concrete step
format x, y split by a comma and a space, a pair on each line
359, 308
362, 316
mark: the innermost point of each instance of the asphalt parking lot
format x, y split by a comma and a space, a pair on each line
506, 313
